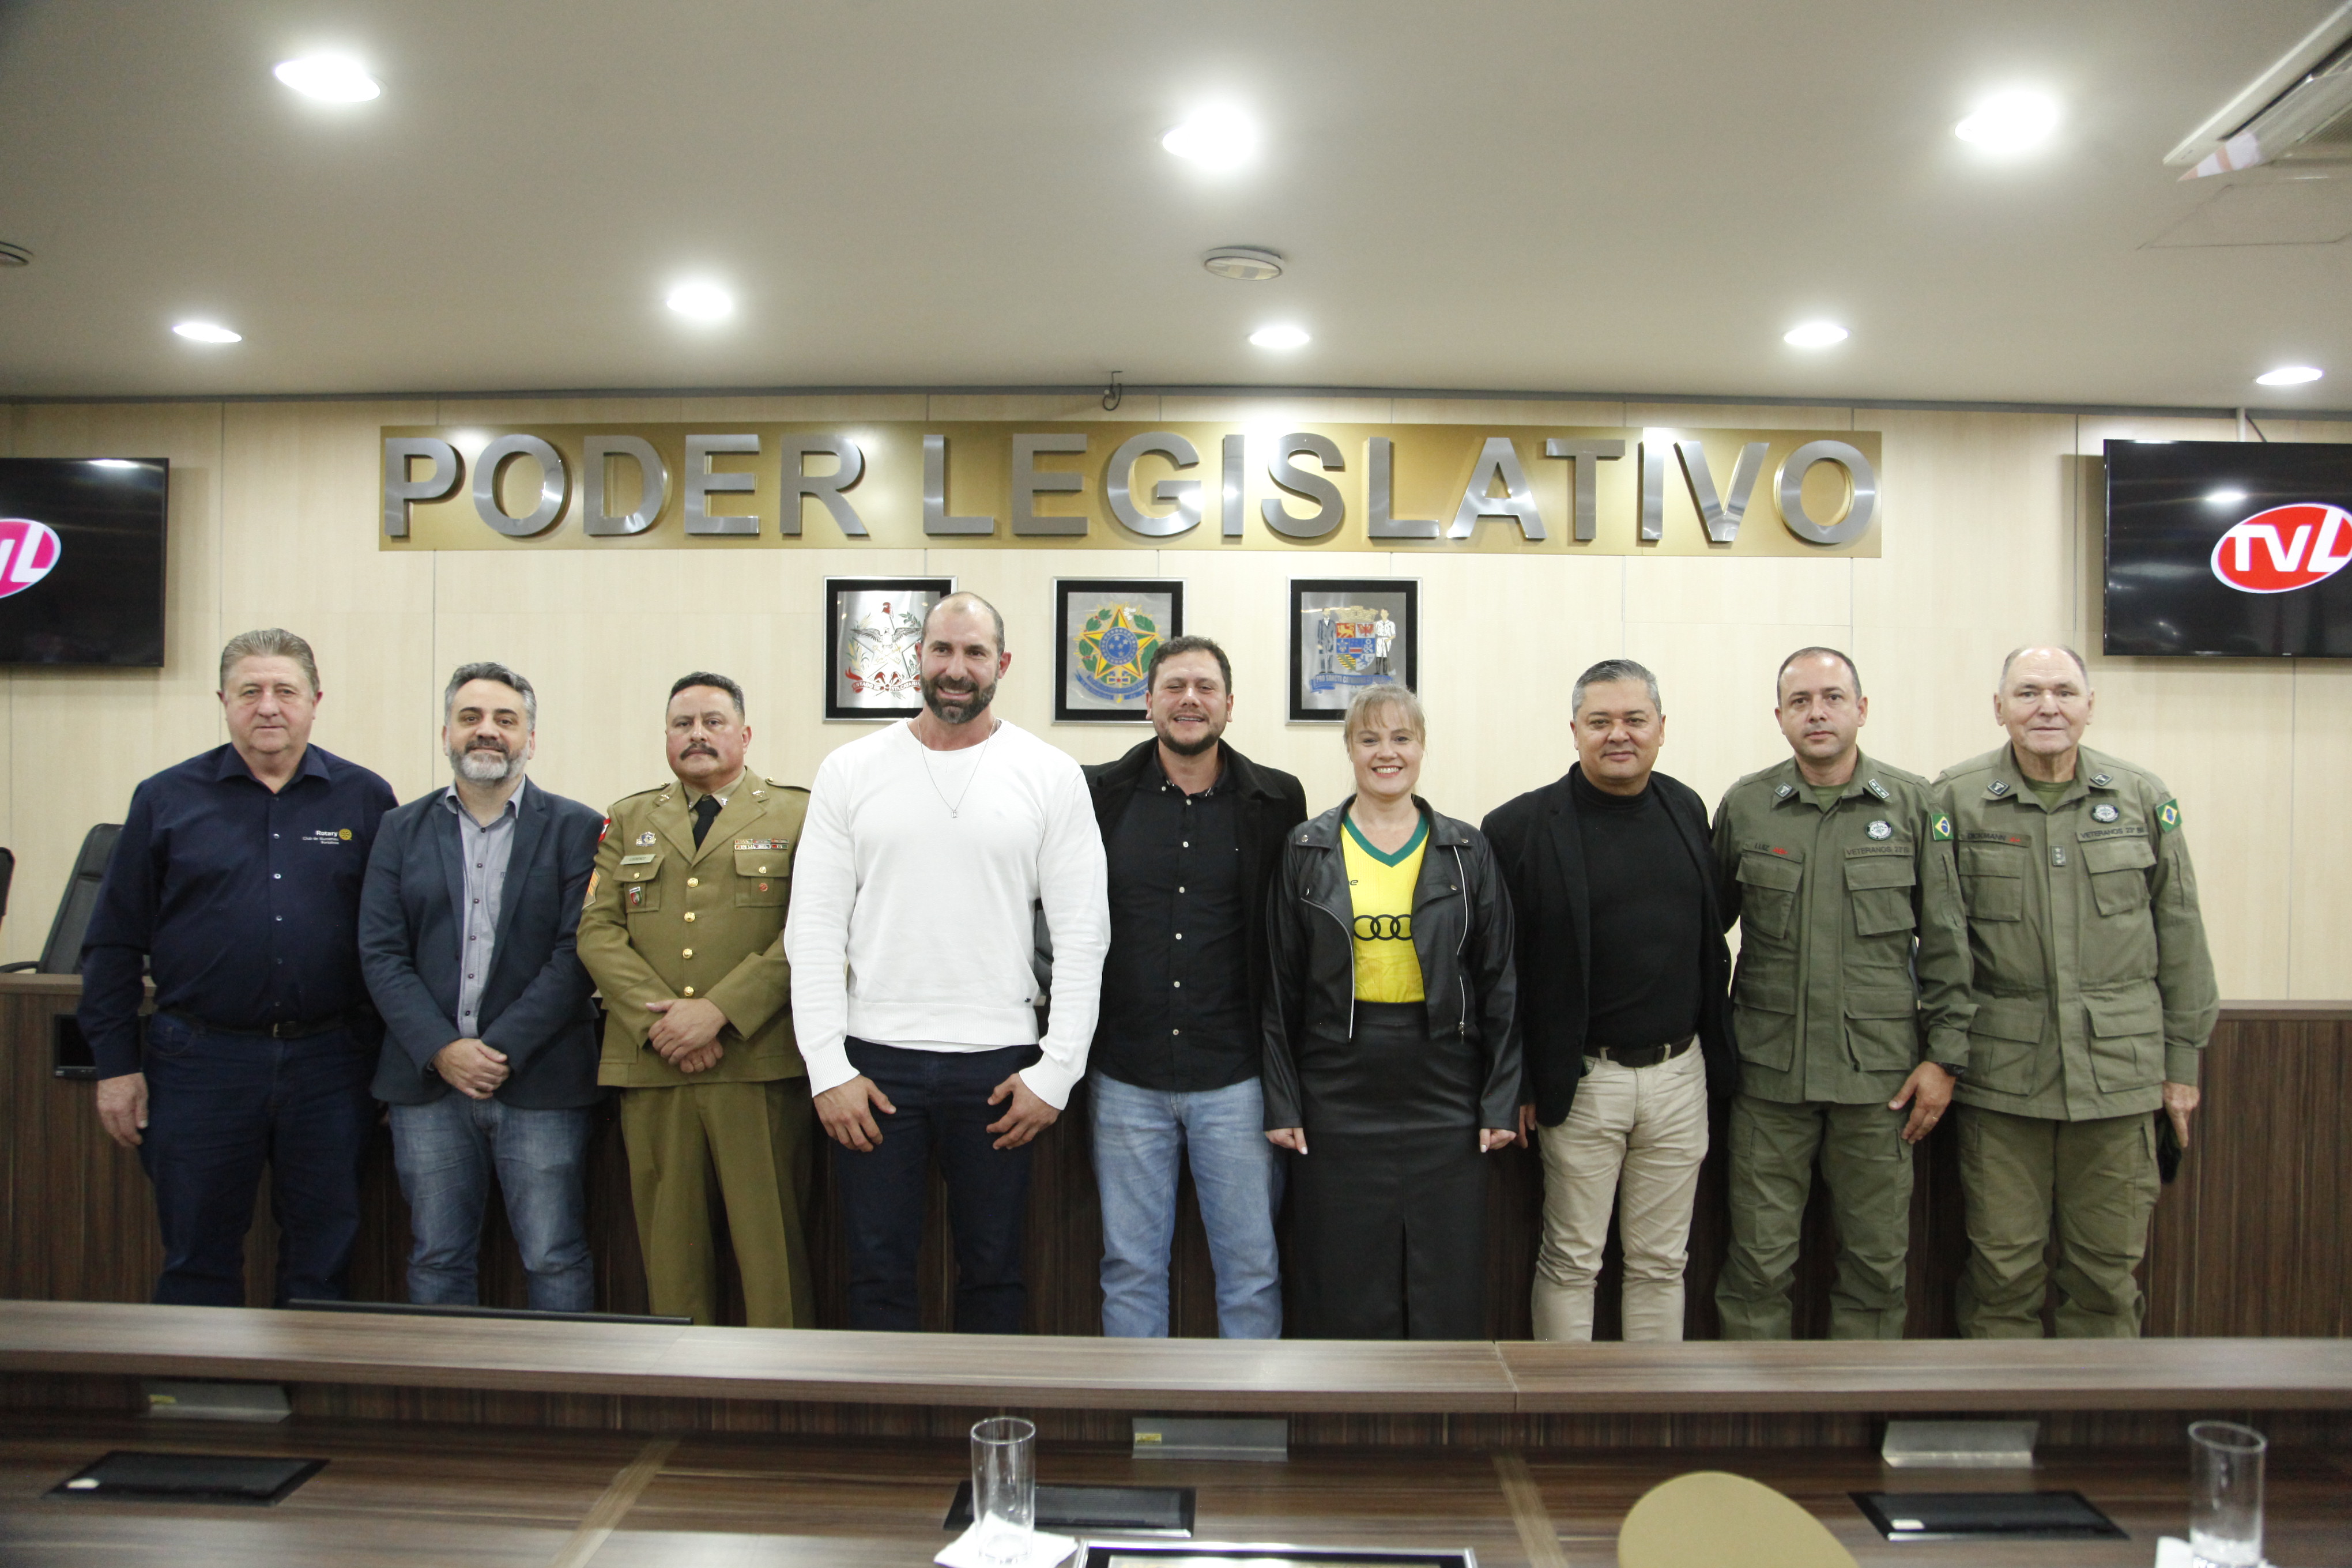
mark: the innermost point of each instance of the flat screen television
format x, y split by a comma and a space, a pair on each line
2229, 548
81, 560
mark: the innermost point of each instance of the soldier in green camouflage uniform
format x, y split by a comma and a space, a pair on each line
1829, 863
2094, 996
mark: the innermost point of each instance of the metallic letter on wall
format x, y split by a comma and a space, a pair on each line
1861, 478
1722, 516
1028, 484
1654, 489
935, 494
1330, 512
826, 488
1118, 485
1498, 459
1380, 496
552, 484
399, 489
701, 484
653, 484
1588, 456
1230, 484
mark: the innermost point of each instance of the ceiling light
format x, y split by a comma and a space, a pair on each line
2009, 121
2225, 498
2290, 375
207, 333
701, 301
1214, 139
111, 463
1280, 338
1244, 263
332, 79
1815, 335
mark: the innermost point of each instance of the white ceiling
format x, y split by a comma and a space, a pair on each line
1517, 195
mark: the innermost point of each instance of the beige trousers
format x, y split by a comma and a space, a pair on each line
1633, 1140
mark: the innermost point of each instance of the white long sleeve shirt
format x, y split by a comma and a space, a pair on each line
912, 894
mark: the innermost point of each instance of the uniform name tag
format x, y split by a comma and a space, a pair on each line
639, 860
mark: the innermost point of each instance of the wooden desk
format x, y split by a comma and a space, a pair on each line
392, 1498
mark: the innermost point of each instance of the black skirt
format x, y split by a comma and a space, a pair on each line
1388, 1204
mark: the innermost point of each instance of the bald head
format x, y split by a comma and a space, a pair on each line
960, 604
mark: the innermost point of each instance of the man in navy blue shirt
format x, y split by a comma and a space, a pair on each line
237, 880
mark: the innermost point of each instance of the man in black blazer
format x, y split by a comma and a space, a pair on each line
1622, 971
467, 929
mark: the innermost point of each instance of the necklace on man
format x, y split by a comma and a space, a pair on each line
955, 807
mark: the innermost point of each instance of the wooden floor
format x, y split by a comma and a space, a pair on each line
406, 1496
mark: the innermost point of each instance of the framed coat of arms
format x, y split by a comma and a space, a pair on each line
1105, 631
874, 644
1347, 633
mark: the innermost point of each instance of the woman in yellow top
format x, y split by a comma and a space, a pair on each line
1390, 1064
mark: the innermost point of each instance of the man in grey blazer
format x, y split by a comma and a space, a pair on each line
467, 930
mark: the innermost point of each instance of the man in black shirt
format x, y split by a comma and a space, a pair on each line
1193, 832
236, 882
1622, 973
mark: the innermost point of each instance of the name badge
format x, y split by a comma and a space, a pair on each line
639, 860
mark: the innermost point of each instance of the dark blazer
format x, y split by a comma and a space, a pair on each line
1536, 839
1461, 933
1271, 804
535, 1003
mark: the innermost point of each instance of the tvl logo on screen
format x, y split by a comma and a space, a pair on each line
424, 469
28, 552
2284, 548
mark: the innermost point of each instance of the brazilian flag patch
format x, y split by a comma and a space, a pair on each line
2167, 816
1939, 828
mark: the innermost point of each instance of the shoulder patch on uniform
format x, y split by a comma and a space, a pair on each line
1875, 787
1939, 828
605, 832
2168, 815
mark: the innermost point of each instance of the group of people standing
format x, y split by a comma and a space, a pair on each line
920, 957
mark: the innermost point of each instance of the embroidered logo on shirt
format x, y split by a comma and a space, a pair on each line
2103, 812
636, 897
330, 836
1880, 829
646, 837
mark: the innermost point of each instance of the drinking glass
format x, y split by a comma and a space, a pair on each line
1004, 1487
2225, 1495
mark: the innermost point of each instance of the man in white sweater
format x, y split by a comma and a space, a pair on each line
928, 846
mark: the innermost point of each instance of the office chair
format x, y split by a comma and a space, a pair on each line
62, 955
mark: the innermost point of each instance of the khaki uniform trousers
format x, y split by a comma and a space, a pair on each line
1633, 1140
2100, 1177
1868, 1169
758, 1140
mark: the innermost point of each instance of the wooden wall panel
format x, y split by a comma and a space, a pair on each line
2318, 876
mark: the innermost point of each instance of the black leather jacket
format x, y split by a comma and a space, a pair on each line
1461, 933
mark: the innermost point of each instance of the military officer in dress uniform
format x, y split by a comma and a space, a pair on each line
691, 886
2094, 994
1829, 863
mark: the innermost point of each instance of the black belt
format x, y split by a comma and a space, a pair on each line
299, 1029
1643, 1056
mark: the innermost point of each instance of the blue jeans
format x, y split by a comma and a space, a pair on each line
943, 1111
1140, 1138
445, 1152
219, 1107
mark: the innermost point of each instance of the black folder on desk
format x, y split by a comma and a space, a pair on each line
1986, 1516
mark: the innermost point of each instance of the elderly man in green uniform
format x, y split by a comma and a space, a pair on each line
1843, 892
690, 889
2095, 994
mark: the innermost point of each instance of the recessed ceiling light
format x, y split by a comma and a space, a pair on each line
2009, 121
331, 79
701, 301
2290, 375
2224, 498
207, 333
1245, 263
1280, 338
1815, 335
1214, 139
